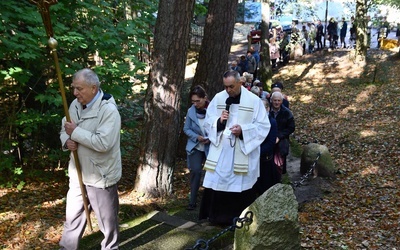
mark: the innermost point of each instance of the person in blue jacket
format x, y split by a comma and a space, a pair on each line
269, 174
197, 144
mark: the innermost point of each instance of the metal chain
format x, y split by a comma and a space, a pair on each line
238, 223
308, 173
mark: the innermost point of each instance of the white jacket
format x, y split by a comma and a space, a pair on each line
98, 136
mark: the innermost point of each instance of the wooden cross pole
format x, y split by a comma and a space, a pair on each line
44, 9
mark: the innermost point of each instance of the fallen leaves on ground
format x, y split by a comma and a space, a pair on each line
355, 112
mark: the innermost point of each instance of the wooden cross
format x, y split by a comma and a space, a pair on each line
44, 6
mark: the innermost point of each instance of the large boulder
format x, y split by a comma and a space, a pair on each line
324, 166
275, 222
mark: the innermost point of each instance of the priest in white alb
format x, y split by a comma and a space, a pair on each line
236, 123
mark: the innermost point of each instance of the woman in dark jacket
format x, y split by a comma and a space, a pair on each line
198, 144
332, 32
286, 126
269, 174
343, 32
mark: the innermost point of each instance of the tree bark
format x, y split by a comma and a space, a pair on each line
265, 70
162, 103
361, 31
216, 45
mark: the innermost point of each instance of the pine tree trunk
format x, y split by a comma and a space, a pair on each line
361, 24
162, 103
265, 70
216, 45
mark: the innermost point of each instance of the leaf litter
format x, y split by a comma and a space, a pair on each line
339, 105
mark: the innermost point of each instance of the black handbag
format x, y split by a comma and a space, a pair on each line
284, 147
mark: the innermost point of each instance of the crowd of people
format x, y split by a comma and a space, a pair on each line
239, 138
236, 138
312, 36
241, 144
242, 138
247, 63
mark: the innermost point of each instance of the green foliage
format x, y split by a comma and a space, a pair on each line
295, 148
21, 185
393, 3
201, 8
111, 37
130, 131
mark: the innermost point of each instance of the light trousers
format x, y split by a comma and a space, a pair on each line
105, 204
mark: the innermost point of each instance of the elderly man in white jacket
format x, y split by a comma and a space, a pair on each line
94, 131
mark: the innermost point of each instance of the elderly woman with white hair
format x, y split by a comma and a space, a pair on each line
286, 126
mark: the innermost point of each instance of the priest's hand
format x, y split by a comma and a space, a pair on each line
224, 116
236, 130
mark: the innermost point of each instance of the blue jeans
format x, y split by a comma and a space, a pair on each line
195, 164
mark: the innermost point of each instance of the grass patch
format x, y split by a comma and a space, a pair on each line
295, 148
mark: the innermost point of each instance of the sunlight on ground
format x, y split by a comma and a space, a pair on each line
300, 68
306, 98
304, 85
362, 101
50, 204
330, 67
348, 110
9, 216
322, 121
29, 229
5, 191
365, 94
370, 170
333, 80
367, 133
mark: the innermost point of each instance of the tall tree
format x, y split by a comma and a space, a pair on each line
361, 31
362, 7
216, 45
265, 70
162, 103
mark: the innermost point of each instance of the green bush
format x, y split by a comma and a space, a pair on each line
109, 36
